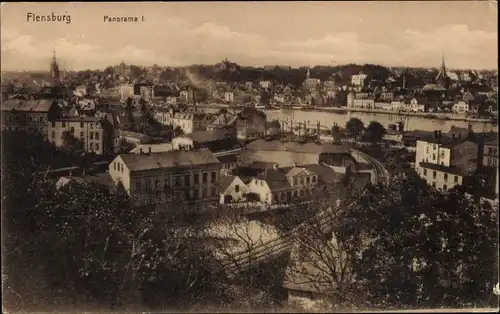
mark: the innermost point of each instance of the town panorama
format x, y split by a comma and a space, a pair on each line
229, 187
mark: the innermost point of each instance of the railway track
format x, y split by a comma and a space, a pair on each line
236, 263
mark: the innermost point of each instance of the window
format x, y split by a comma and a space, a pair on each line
295, 181
96, 135
425, 172
138, 185
237, 188
490, 150
54, 124
433, 184
167, 183
41, 119
445, 188
114, 165
53, 134
96, 146
442, 155
214, 191
456, 179
196, 178
307, 180
433, 156
295, 193
314, 179
73, 130
261, 183
148, 185
204, 177
91, 135
301, 181
204, 192
81, 125
91, 146
445, 176
81, 134
177, 181
157, 184
434, 174
187, 180
91, 125
214, 176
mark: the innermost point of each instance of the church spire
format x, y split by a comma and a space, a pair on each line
442, 70
308, 75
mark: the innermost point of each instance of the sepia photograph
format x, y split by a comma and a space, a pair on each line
265, 156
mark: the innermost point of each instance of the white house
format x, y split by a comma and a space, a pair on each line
228, 96
232, 189
358, 80
461, 107
265, 84
183, 95
398, 105
415, 106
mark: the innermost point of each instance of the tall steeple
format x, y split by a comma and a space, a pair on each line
54, 67
442, 77
442, 70
308, 75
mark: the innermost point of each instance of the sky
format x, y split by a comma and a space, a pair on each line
394, 33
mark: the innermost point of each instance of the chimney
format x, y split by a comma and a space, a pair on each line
149, 149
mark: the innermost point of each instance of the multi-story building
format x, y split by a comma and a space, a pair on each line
461, 107
184, 95
359, 79
164, 115
417, 105
490, 153
96, 134
360, 101
190, 176
387, 96
443, 160
126, 91
265, 84
190, 122
228, 96
29, 115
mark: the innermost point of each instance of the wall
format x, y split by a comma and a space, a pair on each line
231, 190
427, 175
261, 188
83, 130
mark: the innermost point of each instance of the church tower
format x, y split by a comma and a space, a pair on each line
308, 75
54, 68
442, 77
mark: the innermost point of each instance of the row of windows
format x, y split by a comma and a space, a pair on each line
492, 161
445, 176
308, 180
82, 134
445, 187
179, 181
82, 124
493, 151
288, 195
187, 195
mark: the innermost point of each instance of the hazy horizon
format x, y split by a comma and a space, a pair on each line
392, 34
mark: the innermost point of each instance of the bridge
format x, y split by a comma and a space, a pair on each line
241, 261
